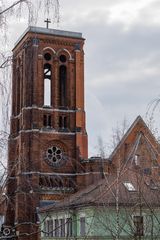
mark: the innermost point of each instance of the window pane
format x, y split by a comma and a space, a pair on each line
47, 84
138, 223
51, 228
62, 227
60, 122
56, 228
69, 227
47, 92
49, 120
44, 120
129, 186
65, 122
82, 226
63, 85
47, 228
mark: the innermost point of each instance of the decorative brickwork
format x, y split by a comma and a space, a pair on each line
47, 112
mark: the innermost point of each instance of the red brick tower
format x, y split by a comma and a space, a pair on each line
48, 136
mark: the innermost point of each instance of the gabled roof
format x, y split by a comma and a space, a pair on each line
137, 130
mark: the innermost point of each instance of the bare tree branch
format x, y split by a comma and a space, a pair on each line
12, 6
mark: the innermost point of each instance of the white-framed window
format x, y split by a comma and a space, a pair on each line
56, 227
50, 228
82, 226
62, 227
138, 223
69, 227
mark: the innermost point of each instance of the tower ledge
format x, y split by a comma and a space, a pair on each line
49, 31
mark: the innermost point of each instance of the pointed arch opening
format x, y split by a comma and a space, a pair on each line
47, 84
63, 85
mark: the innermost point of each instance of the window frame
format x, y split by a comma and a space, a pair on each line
82, 228
138, 225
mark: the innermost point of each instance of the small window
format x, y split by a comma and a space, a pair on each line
138, 225
51, 228
62, 227
69, 227
47, 227
137, 160
65, 122
62, 122
63, 58
82, 226
129, 186
44, 120
47, 56
47, 120
56, 227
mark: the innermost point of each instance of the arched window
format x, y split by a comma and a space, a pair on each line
47, 84
63, 85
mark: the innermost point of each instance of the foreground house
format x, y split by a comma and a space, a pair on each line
125, 204
109, 210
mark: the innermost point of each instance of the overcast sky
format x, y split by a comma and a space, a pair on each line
122, 58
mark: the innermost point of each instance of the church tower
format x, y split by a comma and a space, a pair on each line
48, 137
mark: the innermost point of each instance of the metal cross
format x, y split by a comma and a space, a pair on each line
47, 21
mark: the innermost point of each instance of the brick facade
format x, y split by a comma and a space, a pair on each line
43, 153
48, 146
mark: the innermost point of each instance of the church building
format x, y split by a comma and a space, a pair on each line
48, 144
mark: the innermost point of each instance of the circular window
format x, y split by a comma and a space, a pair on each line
54, 156
63, 58
47, 56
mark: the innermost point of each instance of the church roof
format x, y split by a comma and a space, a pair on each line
49, 31
104, 193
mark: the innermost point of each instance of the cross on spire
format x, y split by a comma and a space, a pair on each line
47, 22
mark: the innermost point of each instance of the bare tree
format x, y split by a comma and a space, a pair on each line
10, 11
16, 10
118, 132
152, 117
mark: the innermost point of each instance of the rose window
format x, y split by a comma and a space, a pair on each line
55, 156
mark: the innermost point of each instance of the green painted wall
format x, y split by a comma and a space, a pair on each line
109, 224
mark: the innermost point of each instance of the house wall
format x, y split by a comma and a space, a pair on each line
106, 223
